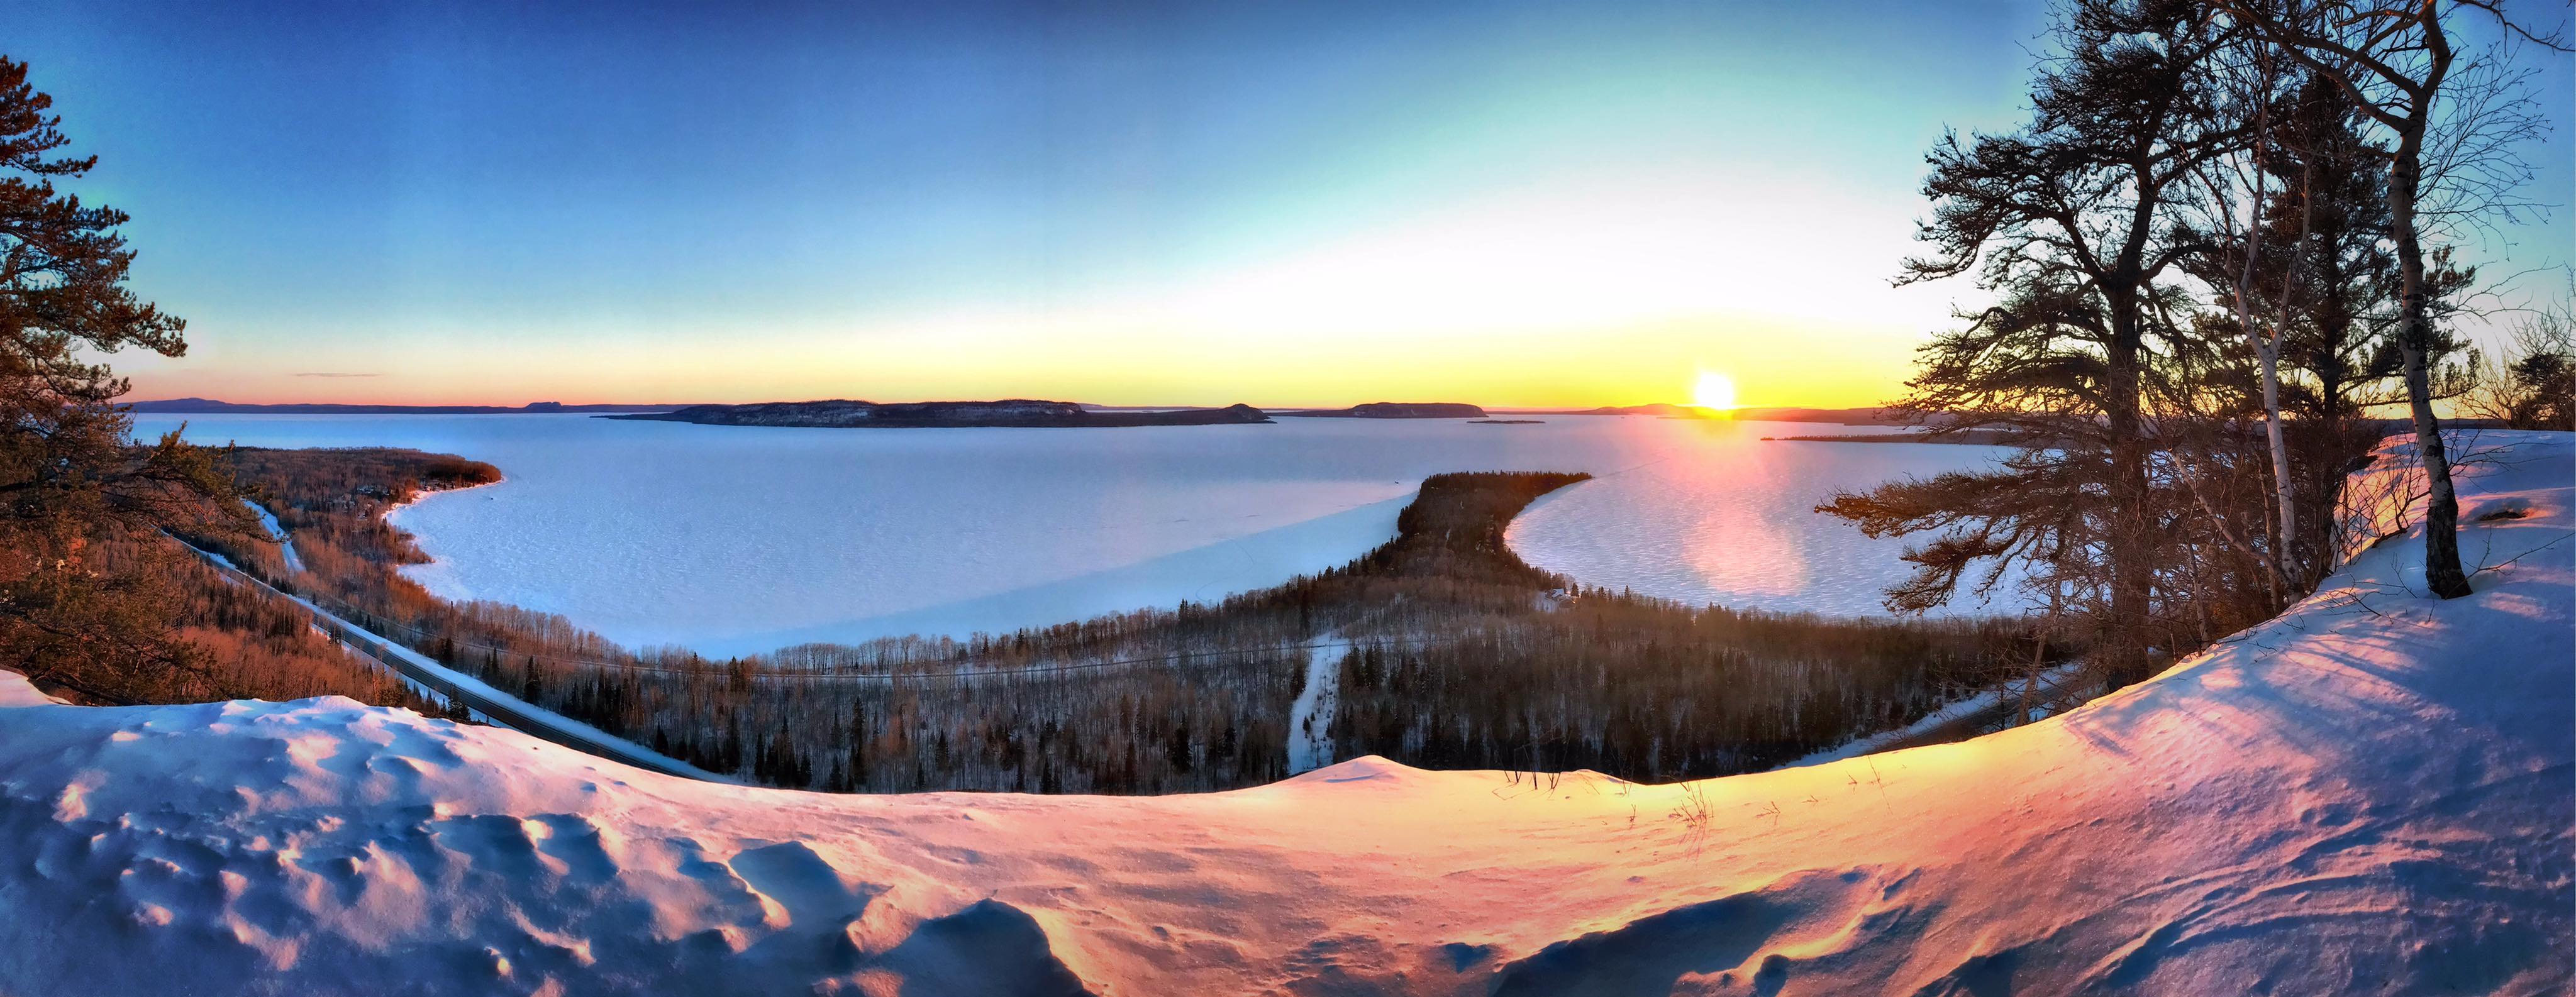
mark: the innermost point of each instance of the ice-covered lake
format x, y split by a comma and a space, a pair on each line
739, 539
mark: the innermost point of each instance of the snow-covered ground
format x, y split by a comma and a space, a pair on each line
2371, 794
730, 540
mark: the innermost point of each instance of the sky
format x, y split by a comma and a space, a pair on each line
1200, 203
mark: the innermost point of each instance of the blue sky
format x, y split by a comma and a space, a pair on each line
1129, 203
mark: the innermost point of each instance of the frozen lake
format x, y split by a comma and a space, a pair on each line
740, 539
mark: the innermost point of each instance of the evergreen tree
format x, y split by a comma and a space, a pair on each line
70, 478
2069, 220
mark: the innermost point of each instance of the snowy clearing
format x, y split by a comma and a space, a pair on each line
1310, 719
2371, 794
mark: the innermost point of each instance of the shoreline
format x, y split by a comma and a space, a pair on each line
1432, 595
419, 495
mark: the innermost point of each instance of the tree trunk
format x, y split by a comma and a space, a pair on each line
2125, 545
2267, 361
2414, 341
2267, 347
2285, 533
2285, 556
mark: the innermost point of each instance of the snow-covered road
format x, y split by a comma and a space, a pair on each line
277, 532
489, 704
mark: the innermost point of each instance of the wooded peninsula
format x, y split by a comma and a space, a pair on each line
1439, 649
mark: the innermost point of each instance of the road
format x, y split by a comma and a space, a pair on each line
486, 701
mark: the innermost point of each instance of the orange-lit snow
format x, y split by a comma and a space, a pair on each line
2372, 794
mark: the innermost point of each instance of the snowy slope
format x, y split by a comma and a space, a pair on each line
2373, 794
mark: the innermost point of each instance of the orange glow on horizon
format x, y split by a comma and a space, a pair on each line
1581, 292
1836, 366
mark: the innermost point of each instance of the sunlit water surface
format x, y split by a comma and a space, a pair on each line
739, 539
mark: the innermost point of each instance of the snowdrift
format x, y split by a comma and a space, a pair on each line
2372, 794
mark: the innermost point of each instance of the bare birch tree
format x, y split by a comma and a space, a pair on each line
2398, 61
2241, 185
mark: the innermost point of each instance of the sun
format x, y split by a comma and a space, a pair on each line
1714, 391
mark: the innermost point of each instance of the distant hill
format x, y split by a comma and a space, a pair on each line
1969, 437
1841, 416
1011, 412
1392, 410
209, 405
1656, 408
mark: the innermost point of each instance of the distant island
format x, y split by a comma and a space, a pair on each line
209, 405
1391, 410
1012, 412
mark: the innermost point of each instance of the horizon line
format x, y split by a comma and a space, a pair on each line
1099, 405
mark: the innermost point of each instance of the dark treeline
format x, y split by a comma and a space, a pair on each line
1649, 690
2531, 382
1441, 629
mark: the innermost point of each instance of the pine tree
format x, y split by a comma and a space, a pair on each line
2067, 221
69, 477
